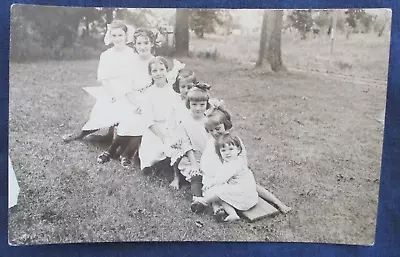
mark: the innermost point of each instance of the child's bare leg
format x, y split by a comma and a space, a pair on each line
78, 136
104, 138
268, 196
210, 198
232, 215
175, 182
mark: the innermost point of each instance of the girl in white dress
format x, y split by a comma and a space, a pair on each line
233, 186
132, 122
186, 158
219, 122
162, 107
115, 75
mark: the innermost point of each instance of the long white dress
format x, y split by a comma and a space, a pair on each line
115, 74
132, 122
234, 184
13, 187
161, 109
210, 162
211, 165
197, 136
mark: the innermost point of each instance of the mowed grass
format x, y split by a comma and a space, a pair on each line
310, 140
362, 55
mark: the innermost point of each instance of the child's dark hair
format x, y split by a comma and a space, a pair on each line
218, 115
198, 93
117, 24
144, 33
158, 59
184, 74
227, 139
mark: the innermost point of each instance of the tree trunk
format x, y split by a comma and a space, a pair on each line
274, 55
380, 33
182, 32
87, 23
109, 15
263, 39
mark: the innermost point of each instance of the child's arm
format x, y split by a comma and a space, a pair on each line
243, 154
135, 101
156, 130
193, 162
224, 175
103, 75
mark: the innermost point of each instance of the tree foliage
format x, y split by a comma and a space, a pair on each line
206, 20
53, 32
302, 21
354, 17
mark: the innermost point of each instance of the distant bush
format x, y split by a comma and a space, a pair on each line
32, 51
210, 53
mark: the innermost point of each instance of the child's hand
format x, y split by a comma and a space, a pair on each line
195, 170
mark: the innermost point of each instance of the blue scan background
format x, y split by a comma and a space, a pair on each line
388, 224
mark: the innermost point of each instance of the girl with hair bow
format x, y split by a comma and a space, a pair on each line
192, 135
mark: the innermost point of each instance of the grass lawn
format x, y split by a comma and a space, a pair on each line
310, 140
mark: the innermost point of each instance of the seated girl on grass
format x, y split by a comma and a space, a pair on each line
233, 186
133, 123
193, 137
161, 109
115, 75
218, 121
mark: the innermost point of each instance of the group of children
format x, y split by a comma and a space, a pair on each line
164, 116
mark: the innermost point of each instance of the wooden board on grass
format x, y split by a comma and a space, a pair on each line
261, 210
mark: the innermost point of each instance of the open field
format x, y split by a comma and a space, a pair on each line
362, 55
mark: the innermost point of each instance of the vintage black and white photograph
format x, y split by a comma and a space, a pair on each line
253, 125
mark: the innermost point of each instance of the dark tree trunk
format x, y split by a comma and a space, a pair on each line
263, 39
182, 32
87, 23
109, 15
274, 55
382, 29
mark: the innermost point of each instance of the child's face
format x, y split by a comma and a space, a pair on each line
184, 86
229, 152
143, 45
118, 37
217, 130
158, 72
197, 108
